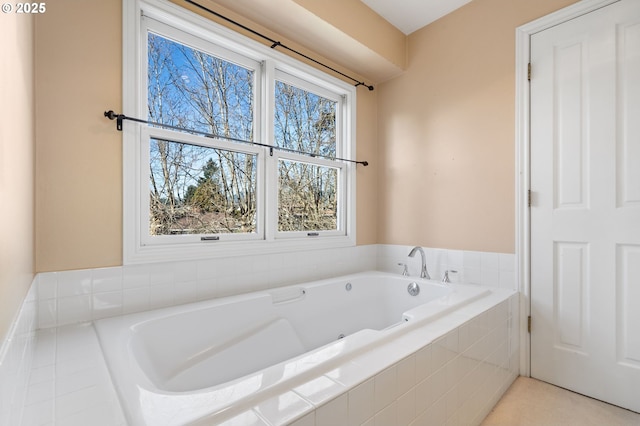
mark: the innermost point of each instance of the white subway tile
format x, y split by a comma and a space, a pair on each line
107, 279
334, 412
424, 365
74, 403
406, 371
39, 414
107, 304
490, 277
490, 260
42, 374
74, 309
361, 403
319, 390
40, 392
387, 416
507, 280
257, 264
135, 300
185, 271
424, 395
74, 283
455, 259
47, 313
161, 274
47, 284
472, 275
85, 378
406, 406
185, 292
472, 259
440, 353
247, 418
507, 262
386, 388
160, 296
210, 288
307, 420
437, 413
45, 348
283, 408
135, 276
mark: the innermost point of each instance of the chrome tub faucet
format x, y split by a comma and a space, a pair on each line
423, 269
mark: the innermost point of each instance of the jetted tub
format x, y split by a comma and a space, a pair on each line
176, 365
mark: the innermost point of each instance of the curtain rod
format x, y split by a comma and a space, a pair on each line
121, 117
275, 44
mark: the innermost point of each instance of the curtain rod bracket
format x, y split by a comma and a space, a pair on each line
118, 117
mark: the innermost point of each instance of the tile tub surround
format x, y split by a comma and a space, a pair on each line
473, 267
16, 354
70, 384
71, 297
451, 371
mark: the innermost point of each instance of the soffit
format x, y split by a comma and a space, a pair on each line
364, 48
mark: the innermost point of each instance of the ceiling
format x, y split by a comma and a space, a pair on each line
411, 15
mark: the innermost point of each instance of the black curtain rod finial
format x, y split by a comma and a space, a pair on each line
360, 83
118, 117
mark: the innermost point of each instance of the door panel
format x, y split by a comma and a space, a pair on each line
585, 222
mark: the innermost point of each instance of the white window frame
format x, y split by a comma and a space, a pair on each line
138, 246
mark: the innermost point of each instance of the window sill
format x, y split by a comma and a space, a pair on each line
140, 254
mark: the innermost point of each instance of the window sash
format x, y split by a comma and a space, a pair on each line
341, 197
149, 133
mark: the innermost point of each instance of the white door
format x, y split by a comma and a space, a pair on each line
585, 213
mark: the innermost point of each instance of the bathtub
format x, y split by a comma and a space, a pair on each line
207, 360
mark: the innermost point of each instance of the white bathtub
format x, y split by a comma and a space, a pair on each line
176, 365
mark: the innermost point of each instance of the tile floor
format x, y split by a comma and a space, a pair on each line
530, 402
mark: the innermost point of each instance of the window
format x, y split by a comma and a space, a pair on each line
242, 157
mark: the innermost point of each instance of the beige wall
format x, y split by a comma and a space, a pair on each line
446, 131
16, 164
79, 152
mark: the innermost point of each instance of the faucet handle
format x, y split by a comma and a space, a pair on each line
405, 270
445, 278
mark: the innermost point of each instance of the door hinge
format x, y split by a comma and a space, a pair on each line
529, 323
529, 198
529, 71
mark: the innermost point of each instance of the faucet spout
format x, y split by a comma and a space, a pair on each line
423, 270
